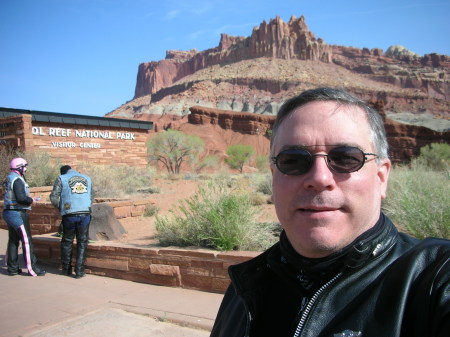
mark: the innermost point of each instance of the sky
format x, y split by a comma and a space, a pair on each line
82, 56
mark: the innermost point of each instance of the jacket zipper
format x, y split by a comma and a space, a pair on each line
310, 304
249, 321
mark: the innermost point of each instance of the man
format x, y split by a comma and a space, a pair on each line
17, 202
72, 195
340, 267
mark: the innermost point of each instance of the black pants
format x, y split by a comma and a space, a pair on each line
17, 235
74, 226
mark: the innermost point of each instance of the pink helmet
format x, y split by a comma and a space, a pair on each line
18, 163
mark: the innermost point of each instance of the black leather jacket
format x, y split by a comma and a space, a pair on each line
392, 285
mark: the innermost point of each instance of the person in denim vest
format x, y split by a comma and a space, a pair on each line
17, 203
72, 195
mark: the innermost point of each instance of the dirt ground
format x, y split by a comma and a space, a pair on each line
141, 231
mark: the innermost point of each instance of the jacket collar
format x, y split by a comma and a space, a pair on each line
371, 244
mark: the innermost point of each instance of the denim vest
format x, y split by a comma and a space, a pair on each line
10, 201
76, 189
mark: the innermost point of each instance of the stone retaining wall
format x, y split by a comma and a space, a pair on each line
203, 270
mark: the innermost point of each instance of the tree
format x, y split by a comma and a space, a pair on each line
238, 155
172, 148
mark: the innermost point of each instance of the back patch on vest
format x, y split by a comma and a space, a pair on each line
78, 185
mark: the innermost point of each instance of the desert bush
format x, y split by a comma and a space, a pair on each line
116, 181
42, 171
7, 153
262, 163
258, 199
263, 183
238, 155
214, 217
224, 178
418, 200
435, 156
150, 210
210, 161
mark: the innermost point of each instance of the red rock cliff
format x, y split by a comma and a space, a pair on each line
274, 39
405, 141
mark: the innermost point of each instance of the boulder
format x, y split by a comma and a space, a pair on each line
104, 225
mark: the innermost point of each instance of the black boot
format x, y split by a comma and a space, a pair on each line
13, 273
66, 251
38, 271
12, 255
82, 241
66, 270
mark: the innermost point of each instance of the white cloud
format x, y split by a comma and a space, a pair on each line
172, 14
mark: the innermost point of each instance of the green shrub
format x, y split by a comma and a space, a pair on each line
7, 153
41, 171
224, 178
262, 163
210, 161
150, 210
258, 199
238, 155
264, 184
418, 200
436, 156
116, 181
214, 217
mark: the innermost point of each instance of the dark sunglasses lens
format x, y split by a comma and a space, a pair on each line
294, 162
346, 159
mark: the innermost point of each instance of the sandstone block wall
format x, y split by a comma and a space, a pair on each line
190, 269
13, 132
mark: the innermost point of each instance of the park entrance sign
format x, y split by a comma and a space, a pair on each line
76, 138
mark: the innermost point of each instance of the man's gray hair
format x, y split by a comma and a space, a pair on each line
343, 98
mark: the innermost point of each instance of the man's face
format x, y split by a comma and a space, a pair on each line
323, 211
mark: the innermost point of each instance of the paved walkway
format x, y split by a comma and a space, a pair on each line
56, 305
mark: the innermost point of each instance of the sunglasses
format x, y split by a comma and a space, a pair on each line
341, 159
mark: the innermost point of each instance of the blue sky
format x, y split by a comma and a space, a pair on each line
82, 56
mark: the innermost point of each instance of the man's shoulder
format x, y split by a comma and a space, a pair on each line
437, 246
74, 173
424, 253
252, 270
256, 261
431, 244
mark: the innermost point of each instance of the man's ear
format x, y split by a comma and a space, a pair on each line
383, 175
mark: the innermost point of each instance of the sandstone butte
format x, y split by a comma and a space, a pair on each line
229, 94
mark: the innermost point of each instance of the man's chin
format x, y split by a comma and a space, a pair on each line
317, 243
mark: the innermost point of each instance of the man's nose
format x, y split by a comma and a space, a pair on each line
320, 176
